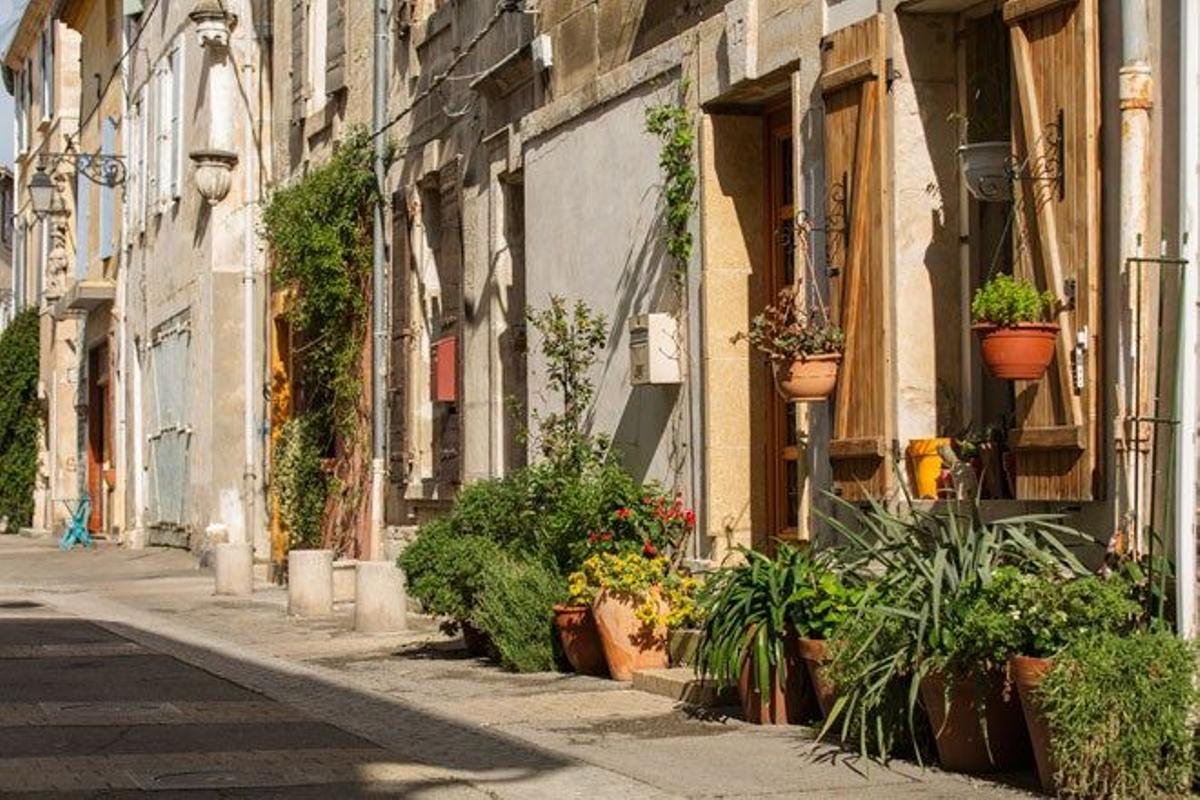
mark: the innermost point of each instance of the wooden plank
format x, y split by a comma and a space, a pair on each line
1047, 234
1058, 437
862, 70
864, 447
1017, 10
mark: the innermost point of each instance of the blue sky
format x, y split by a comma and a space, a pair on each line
7, 12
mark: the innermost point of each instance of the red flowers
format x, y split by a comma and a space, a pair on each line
649, 550
624, 513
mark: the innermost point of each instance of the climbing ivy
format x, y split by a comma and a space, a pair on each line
672, 124
19, 420
319, 233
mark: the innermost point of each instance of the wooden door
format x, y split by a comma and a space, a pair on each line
98, 457
854, 88
1056, 123
782, 472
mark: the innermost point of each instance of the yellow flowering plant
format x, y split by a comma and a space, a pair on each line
661, 595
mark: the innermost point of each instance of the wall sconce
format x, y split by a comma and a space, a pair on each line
213, 24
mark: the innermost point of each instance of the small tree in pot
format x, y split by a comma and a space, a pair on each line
805, 352
1011, 318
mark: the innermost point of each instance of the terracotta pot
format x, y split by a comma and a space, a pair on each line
478, 643
975, 701
629, 644
1027, 673
790, 699
815, 655
580, 639
810, 379
1017, 352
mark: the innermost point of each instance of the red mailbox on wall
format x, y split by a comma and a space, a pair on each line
445, 370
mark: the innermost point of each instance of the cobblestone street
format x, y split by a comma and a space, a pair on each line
124, 675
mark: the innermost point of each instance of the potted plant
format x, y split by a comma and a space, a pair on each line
821, 601
577, 631
639, 596
985, 168
1011, 317
804, 352
748, 639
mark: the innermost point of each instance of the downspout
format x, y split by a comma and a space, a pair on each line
1188, 375
1136, 95
379, 284
249, 331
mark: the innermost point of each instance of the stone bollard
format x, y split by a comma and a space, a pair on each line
380, 605
310, 583
235, 568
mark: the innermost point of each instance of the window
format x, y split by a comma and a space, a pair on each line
47, 57
317, 20
134, 212
169, 117
108, 194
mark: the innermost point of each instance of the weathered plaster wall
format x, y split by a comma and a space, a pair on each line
593, 233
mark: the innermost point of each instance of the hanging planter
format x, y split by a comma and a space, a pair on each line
985, 168
1016, 340
808, 379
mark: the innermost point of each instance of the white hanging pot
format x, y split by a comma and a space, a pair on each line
985, 166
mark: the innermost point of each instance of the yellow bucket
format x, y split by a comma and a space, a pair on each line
925, 466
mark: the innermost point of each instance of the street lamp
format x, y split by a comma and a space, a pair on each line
100, 168
41, 192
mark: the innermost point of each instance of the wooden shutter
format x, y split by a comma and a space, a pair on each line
1056, 121
854, 88
448, 418
399, 449
299, 70
335, 47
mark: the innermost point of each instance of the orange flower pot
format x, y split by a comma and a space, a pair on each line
962, 710
808, 380
580, 639
629, 644
1021, 352
789, 701
815, 655
925, 466
1027, 673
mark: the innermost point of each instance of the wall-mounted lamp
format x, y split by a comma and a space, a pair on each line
99, 168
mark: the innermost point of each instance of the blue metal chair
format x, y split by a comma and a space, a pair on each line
77, 532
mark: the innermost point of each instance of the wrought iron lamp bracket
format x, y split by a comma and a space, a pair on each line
99, 168
1048, 166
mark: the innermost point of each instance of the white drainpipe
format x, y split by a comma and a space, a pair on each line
249, 330
1136, 101
1186, 406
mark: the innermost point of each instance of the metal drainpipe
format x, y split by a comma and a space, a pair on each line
1136, 96
1189, 370
249, 330
379, 285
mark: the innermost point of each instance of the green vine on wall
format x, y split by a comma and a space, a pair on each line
19, 420
319, 232
672, 124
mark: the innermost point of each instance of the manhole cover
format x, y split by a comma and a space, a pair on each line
19, 604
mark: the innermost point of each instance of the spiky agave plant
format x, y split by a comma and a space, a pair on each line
921, 562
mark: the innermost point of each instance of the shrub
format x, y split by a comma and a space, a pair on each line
19, 419
1118, 709
445, 569
514, 608
1005, 300
298, 482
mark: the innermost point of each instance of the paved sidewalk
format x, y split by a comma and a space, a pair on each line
432, 722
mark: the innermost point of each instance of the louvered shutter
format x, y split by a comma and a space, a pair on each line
299, 71
399, 448
108, 192
1055, 55
448, 416
83, 196
335, 47
853, 84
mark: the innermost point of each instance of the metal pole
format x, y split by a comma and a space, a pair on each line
379, 285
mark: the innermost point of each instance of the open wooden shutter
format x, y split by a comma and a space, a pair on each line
399, 449
854, 87
1056, 122
299, 63
335, 47
448, 418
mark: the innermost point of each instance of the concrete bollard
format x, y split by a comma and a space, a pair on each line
310, 583
235, 568
344, 582
380, 604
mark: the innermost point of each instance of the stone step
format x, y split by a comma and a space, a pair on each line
681, 684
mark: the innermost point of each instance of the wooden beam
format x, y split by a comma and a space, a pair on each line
1017, 10
1060, 437
862, 70
866, 447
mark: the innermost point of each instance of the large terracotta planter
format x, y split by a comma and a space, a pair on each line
1027, 673
789, 701
1020, 352
808, 380
629, 644
959, 713
580, 639
815, 655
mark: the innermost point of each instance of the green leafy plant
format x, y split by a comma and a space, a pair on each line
926, 561
445, 569
672, 124
657, 521
571, 343
19, 419
300, 484
1007, 301
513, 608
1119, 709
784, 332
